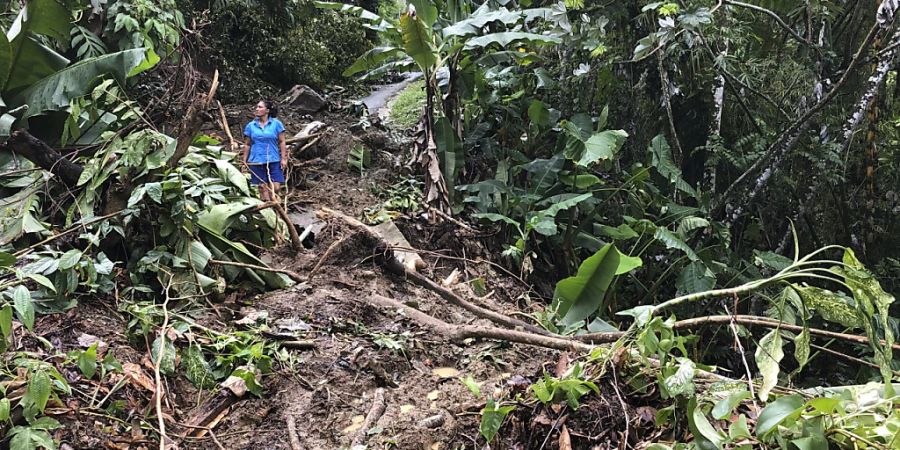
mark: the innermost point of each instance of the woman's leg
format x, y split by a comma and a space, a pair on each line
276, 189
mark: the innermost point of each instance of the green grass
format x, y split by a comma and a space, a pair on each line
406, 109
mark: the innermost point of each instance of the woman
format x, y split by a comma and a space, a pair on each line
265, 150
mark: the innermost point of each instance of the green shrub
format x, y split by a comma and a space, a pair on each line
292, 44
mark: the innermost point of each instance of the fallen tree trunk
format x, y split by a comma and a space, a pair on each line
192, 122
391, 263
459, 333
37, 151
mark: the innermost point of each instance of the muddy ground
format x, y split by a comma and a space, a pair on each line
360, 350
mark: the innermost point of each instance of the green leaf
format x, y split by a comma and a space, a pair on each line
582, 181
426, 10
695, 277
622, 232
449, 150
43, 281
228, 172
24, 306
39, 390
200, 255
738, 429
832, 306
504, 39
768, 354
6, 259
662, 161
541, 391
417, 41
197, 369
723, 408
602, 146
627, 263
801, 348
493, 217
777, 412
87, 361
372, 59
814, 442
491, 420
872, 303
671, 240
472, 385
4, 406
682, 381
6, 314
580, 296
55, 92
539, 114
166, 359
562, 205
69, 259
704, 433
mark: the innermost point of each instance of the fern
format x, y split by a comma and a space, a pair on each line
86, 44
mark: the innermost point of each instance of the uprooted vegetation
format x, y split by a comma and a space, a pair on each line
506, 274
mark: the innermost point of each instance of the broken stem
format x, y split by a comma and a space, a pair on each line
291, 274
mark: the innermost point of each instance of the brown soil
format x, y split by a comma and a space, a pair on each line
327, 390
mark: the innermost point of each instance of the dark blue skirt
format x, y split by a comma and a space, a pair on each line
266, 173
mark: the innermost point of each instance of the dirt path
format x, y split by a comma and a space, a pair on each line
362, 353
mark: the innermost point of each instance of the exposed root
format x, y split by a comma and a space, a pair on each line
392, 265
459, 333
375, 413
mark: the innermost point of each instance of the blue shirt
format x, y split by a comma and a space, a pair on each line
265, 147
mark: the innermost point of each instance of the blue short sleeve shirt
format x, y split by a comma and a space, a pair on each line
264, 139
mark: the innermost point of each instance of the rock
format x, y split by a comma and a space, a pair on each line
304, 99
86, 340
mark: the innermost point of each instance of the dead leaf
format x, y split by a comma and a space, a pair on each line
562, 365
356, 422
565, 442
445, 372
405, 409
137, 377
433, 395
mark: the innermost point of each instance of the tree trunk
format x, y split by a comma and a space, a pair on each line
46, 157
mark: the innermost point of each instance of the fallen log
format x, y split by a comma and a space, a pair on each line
310, 131
192, 122
37, 151
459, 333
393, 265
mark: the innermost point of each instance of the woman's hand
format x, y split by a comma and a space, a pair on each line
284, 163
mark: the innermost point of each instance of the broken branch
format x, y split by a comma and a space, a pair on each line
291, 274
392, 265
38, 152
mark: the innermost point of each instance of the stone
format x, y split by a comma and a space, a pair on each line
304, 99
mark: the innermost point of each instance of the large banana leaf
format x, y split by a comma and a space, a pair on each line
417, 41
477, 21
5, 60
29, 62
28, 59
580, 296
450, 151
51, 18
54, 92
505, 38
372, 59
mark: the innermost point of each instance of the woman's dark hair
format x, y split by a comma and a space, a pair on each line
271, 106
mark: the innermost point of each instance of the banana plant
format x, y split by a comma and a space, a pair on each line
444, 41
36, 80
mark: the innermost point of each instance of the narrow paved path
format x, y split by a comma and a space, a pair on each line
382, 94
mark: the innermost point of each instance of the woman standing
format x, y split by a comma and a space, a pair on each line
265, 150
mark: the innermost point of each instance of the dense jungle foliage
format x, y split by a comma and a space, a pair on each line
648, 167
